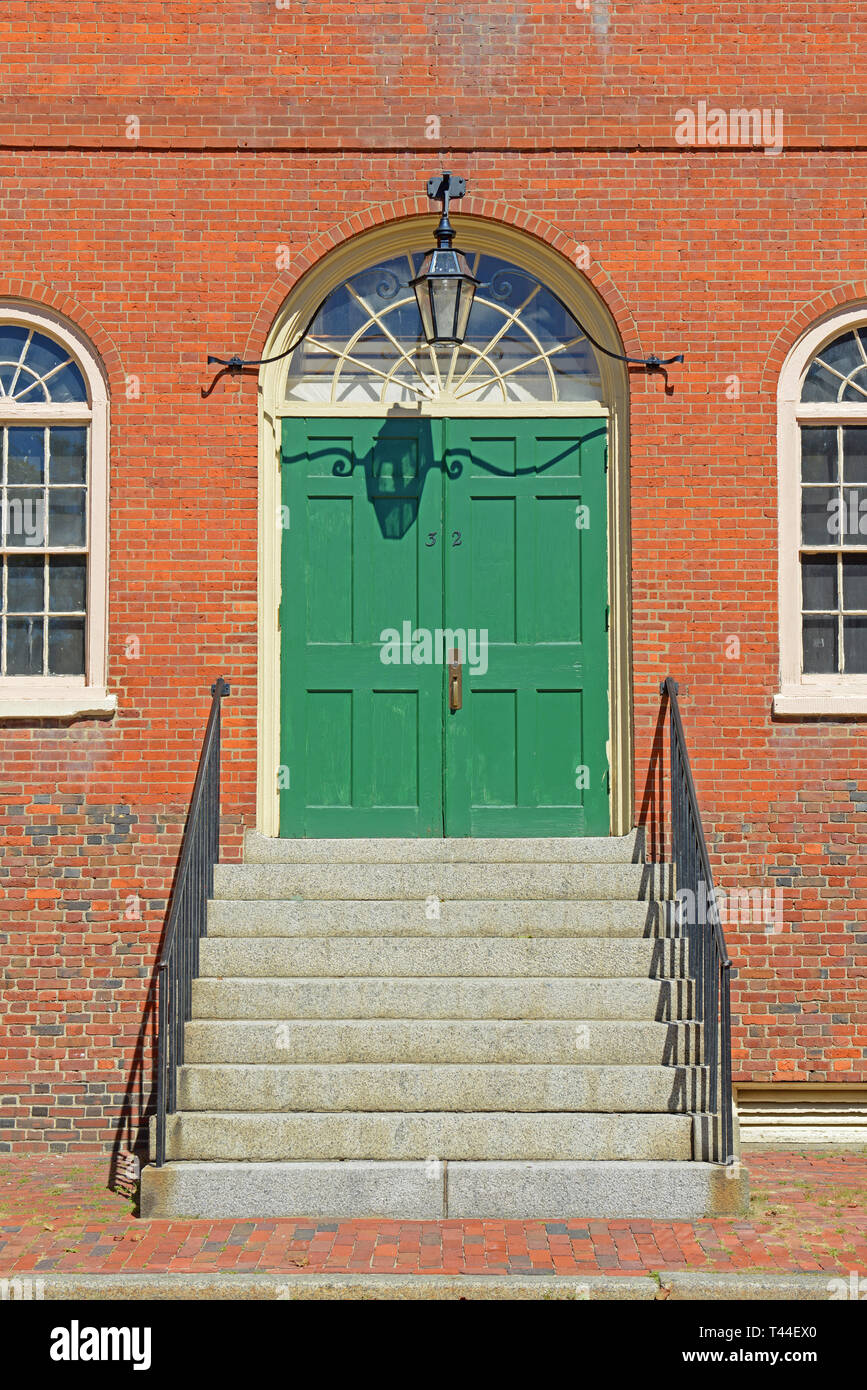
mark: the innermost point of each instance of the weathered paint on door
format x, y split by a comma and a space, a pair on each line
423, 529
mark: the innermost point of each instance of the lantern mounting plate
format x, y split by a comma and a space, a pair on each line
446, 186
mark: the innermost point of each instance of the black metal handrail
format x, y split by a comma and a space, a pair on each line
709, 963
187, 919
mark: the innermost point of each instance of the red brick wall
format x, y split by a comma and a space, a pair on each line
261, 127
499, 73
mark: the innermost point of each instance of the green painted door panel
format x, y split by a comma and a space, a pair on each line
526, 564
361, 743
491, 528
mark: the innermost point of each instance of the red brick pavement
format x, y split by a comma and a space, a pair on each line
808, 1214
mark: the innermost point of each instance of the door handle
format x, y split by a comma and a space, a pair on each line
456, 681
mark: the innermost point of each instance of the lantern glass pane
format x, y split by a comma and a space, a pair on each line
444, 297
421, 294
465, 304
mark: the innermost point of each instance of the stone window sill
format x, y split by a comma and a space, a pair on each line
70, 702
844, 701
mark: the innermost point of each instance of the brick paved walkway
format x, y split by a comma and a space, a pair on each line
809, 1214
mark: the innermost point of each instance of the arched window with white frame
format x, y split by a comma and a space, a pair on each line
53, 497
822, 444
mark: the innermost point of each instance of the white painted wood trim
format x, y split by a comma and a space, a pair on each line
576, 292
45, 412
447, 409
844, 412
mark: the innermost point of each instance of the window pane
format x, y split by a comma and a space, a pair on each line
67, 454
342, 315
820, 384
855, 582
855, 515
43, 354
66, 516
819, 582
24, 646
66, 647
820, 645
25, 516
855, 454
67, 584
856, 390
855, 645
26, 455
820, 516
818, 454
29, 388
67, 384
12, 340
844, 354
25, 591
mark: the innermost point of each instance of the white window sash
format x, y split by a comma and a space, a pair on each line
800, 693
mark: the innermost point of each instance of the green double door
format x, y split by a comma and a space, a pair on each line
408, 543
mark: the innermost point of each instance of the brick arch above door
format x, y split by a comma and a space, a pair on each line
384, 217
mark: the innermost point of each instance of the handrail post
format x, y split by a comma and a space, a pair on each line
161, 1066
187, 920
728, 1137
709, 963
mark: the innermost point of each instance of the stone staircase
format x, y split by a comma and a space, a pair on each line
430, 1028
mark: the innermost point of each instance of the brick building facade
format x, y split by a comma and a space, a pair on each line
168, 179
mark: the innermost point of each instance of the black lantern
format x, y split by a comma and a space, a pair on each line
445, 286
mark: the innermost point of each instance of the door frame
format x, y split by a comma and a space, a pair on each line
576, 292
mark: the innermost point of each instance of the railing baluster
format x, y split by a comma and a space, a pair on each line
709, 964
187, 919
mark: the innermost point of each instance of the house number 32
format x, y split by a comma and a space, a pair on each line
432, 538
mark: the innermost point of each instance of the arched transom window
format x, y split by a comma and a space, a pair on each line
366, 346
53, 417
34, 368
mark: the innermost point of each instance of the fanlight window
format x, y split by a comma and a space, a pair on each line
366, 346
34, 368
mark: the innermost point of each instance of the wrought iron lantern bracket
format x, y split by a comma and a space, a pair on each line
445, 289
